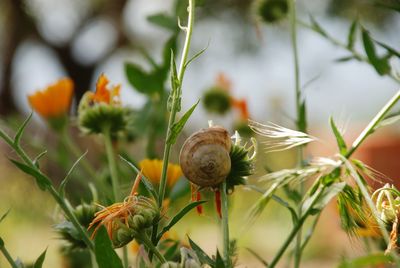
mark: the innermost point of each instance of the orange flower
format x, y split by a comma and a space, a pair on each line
105, 95
54, 101
241, 105
152, 169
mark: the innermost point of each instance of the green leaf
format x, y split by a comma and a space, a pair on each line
344, 59
40, 260
339, 138
42, 181
171, 250
258, 257
147, 184
164, 21
391, 50
1, 242
144, 82
316, 27
178, 126
203, 257
5, 215
20, 132
322, 196
381, 65
174, 75
219, 261
178, 217
198, 54
302, 121
352, 34
106, 257
65, 180
372, 260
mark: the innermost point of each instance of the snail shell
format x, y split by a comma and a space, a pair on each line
204, 156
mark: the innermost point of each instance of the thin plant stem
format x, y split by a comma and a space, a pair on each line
176, 100
77, 153
300, 125
174, 109
7, 255
338, 43
112, 164
146, 241
225, 224
54, 193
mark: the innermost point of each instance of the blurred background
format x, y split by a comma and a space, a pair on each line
44, 40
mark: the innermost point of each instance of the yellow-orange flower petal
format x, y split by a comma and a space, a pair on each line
54, 101
152, 169
105, 95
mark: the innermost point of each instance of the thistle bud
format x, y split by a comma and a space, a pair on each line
271, 11
217, 100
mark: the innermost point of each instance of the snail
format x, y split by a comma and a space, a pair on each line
204, 157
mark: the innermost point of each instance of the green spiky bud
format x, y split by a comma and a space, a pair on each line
216, 100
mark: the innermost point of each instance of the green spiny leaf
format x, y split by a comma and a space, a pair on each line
106, 257
20, 132
40, 260
203, 257
179, 216
178, 126
42, 181
339, 138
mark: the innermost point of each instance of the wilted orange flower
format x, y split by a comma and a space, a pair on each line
241, 105
152, 169
104, 94
54, 101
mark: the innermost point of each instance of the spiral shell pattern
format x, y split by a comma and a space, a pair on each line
204, 156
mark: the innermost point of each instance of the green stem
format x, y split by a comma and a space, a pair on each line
300, 124
60, 201
293, 233
374, 122
338, 43
174, 109
112, 164
225, 224
146, 241
8, 256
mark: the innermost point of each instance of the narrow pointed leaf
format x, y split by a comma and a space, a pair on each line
5, 215
65, 180
352, 34
42, 181
147, 184
258, 257
381, 65
178, 126
40, 260
179, 216
316, 27
106, 256
219, 261
203, 257
20, 132
322, 197
37, 158
198, 54
391, 50
345, 59
339, 138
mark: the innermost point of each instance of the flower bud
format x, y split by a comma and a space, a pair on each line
271, 11
217, 100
